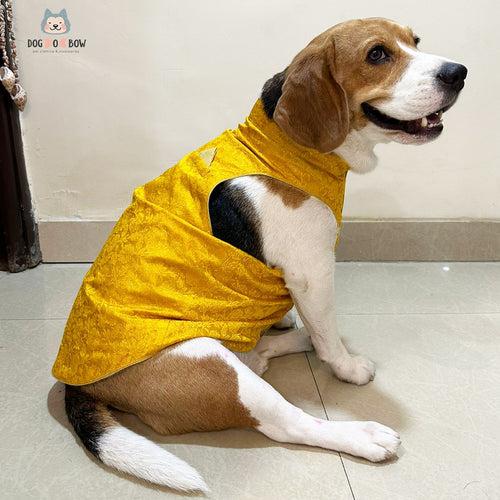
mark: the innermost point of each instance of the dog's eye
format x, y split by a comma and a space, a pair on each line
416, 39
377, 55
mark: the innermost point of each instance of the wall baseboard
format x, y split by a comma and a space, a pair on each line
73, 241
420, 240
360, 240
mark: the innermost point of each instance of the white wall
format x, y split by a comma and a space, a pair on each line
160, 77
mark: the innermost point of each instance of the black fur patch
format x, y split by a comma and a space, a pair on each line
271, 92
84, 415
234, 220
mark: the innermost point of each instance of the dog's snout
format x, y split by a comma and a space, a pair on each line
452, 75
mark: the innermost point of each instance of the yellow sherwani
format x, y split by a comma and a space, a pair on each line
162, 277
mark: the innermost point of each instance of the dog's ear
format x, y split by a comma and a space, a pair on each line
313, 107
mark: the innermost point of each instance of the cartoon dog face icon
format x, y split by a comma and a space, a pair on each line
55, 24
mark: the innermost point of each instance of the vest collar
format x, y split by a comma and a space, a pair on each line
288, 158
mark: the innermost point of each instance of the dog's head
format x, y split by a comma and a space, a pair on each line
365, 73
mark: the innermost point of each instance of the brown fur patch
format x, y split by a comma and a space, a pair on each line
291, 196
174, 394
313, 108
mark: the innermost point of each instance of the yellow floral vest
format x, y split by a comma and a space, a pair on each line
162, 277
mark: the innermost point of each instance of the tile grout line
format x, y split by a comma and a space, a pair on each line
328, 418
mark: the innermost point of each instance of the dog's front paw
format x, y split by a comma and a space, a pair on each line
373, 441
354, 369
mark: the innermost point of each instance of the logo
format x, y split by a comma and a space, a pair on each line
57, 25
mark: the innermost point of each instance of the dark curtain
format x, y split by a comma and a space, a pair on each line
19, 245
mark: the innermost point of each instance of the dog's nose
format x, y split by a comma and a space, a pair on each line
453, 75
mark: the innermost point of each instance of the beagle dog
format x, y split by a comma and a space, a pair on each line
358, 84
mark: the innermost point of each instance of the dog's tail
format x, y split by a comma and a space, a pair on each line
124, 450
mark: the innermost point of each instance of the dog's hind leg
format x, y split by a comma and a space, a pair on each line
273, 346
278, 419
289, 320
271, 414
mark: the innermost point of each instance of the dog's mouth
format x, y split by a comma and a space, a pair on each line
428, 126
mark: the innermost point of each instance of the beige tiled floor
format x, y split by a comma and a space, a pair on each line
433, 330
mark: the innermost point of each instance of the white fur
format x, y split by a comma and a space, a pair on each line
197, 349
272, 346
128, 452
358, 148
300, 241
288, 321
418, 92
